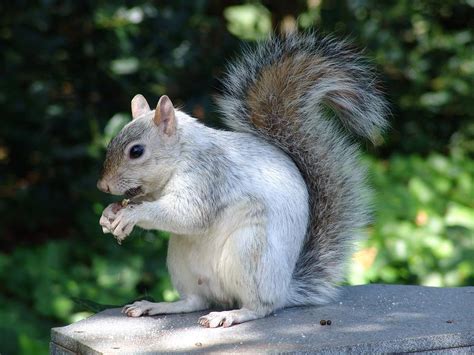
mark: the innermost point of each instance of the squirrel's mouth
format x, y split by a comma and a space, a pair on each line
134, 191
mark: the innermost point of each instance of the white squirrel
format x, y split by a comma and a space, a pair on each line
264, 216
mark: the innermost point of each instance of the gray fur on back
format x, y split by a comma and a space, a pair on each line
288, 92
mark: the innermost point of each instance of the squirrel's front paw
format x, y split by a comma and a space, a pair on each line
118, 220
108, 216
123, 223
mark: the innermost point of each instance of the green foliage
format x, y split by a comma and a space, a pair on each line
60, 282
70, 68
424, 230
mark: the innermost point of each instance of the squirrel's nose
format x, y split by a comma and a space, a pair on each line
102, 186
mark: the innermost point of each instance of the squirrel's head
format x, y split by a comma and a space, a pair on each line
140, 158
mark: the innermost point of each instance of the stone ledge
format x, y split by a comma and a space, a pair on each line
370, 318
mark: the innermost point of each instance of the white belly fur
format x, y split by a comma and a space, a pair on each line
246, 258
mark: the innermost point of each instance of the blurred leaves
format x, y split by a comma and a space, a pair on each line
424, 230
65, 281
248, 21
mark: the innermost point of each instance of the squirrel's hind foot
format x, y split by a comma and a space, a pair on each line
227, 318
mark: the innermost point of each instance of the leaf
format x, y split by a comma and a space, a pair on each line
420, 189
124, 66
115, 124
91, 306
248, 21
459, 215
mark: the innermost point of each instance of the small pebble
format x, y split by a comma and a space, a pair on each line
322, 322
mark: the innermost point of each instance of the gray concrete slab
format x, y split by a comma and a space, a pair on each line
370, 318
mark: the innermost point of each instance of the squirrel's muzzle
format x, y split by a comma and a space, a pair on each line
103, 186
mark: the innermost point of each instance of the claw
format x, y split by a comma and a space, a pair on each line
204, 322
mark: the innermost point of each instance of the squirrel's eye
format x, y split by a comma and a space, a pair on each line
136, 151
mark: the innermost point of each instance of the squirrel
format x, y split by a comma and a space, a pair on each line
262, 216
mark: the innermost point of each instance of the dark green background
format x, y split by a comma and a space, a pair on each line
70, 68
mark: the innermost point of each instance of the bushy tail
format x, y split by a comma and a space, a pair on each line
289, 92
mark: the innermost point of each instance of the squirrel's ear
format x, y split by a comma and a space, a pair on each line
139, 106
165, 116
